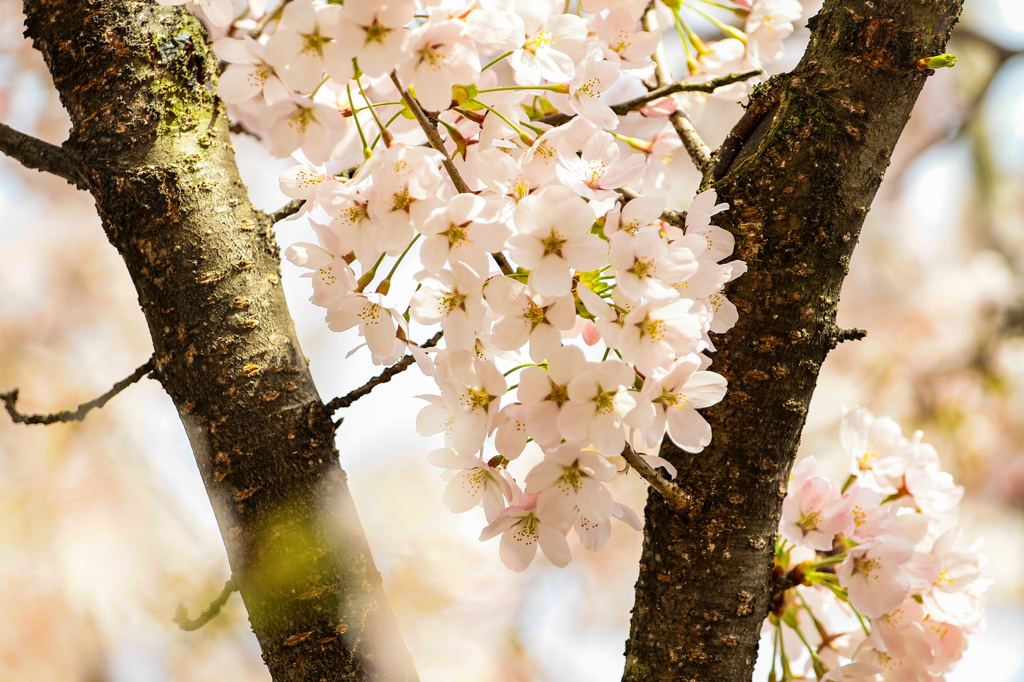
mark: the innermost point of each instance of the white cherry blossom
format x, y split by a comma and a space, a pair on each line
471, 483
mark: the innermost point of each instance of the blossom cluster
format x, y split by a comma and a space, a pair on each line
882, 589
501, 172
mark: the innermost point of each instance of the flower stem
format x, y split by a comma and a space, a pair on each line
384, 132
495, 61
367, 150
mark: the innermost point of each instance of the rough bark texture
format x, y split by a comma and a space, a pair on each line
138, 81
800, 172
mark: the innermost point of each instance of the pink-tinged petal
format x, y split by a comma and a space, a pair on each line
240, 83
518, 548
505, 520
656, 462
628, 516
493, 502
465, 489
705, 389
506, 296
593, 535
595, 500
554, 545
543, 476
556, 504
688, 430
551, 277
446, 458
544, 341
607, 435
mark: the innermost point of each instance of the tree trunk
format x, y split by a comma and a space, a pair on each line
151, 143
800, 171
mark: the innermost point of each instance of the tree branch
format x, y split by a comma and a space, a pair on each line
709, 86
165, 181
346, 400
673, 494
11, 398
181, 615
41, 156
286, 211
698, 150
430, 129
677, 218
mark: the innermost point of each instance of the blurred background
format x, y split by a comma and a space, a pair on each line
105, 526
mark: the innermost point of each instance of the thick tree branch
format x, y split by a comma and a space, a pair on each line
11, 398
137, 80
800, 173
181, 615
41, 156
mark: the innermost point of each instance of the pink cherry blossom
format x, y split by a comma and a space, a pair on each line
521, 532
814, 513
524, 318
873, 577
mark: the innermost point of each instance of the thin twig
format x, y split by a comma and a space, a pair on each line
430, 129
11, 398
698, 150
41, 156
623, 108
286, 211
181, 615
262, 26
668, 215
346, 400
708, 86
672, 493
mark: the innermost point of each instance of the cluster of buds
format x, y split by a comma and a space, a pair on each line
875, 585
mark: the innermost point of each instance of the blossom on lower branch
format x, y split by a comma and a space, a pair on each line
882, 591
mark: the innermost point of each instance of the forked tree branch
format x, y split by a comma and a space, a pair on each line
41, 156
10, 399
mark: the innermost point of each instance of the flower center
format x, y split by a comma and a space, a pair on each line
314, 42
605, 401
377, 32
538, 40
553, 243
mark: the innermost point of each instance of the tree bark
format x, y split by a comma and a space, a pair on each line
800, 171
151, 143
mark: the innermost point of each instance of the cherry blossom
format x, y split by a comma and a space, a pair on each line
471, 483
675, 395
522, 531
514, 169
